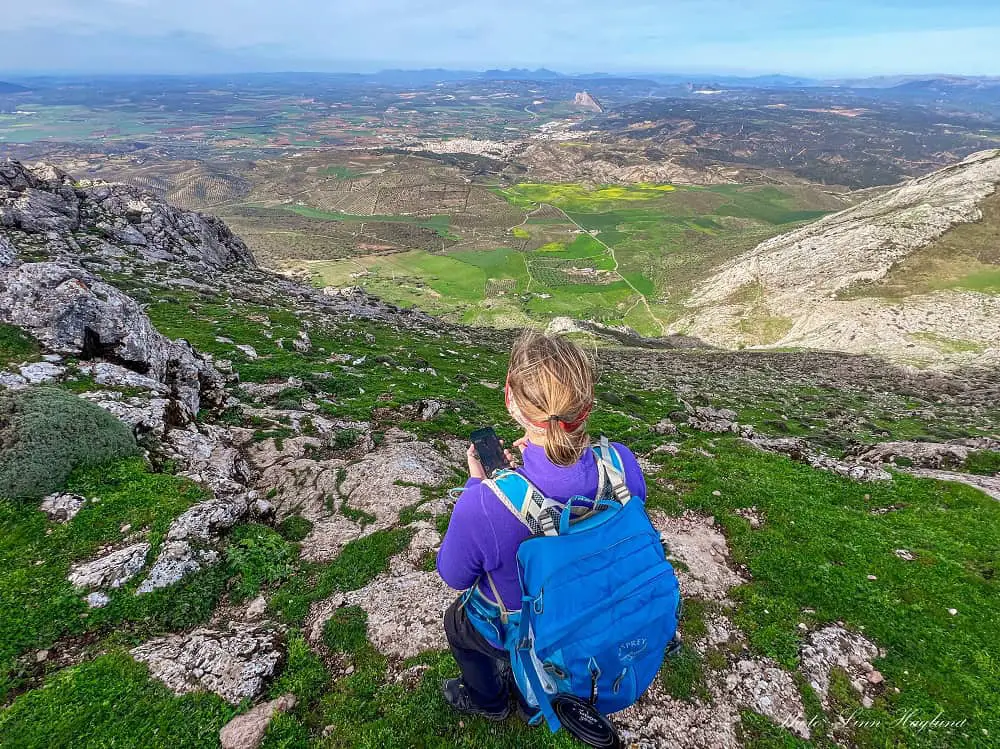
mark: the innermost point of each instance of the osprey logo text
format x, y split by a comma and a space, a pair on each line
629, 651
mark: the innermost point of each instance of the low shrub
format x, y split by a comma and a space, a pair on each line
294, 528
983, 462
259, 556
46, 433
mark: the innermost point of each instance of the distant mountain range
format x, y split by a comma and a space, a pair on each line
917, 84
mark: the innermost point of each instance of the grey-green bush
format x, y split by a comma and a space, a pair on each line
47, 433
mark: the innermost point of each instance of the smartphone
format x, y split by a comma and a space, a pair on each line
489, 450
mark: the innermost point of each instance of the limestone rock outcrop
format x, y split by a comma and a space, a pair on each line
62, 507
110, 571
187, 547
234, 664
247, 731
46, 202
70, 311
795, 278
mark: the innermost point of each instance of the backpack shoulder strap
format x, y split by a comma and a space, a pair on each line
538, 513
611, 472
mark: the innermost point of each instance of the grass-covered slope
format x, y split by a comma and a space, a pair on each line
817, 551
808, 564
909, 274
40, 607
111, 702
967, 257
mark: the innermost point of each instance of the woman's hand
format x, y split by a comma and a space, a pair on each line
519, 444
476, 469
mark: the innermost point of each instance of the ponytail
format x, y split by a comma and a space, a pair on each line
550, 390
562, 447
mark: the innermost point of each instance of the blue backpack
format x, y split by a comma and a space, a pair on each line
599, 599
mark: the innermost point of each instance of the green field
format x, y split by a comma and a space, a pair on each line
339, 172
614, 254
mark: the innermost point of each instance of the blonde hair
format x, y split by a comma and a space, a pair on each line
551, 385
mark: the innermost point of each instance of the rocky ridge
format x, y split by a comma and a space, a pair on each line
119, 229
796, 277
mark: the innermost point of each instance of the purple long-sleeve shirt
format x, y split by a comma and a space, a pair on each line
483, 534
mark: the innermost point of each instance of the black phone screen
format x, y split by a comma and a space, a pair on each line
489, 450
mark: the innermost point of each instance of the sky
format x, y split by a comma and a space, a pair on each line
821, 38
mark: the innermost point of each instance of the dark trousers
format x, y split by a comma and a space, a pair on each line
485, 669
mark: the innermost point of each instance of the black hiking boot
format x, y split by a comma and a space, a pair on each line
530, 716
456, 695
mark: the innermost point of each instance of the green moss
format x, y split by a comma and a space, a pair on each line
363, 559
716, 659
111, 703
345, 438
757, 732
983, 462
287, 732
303, 675
359, 562
816, 718
360, 517
38, 604
692, 623
16, 346
843, 699
46, 433
294, 528
683, 675
428, 562
259, 556
347, 630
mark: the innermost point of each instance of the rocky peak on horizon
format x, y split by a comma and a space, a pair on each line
586, 100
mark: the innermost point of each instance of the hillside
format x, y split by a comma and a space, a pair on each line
11, 88
912, 274
221, 494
